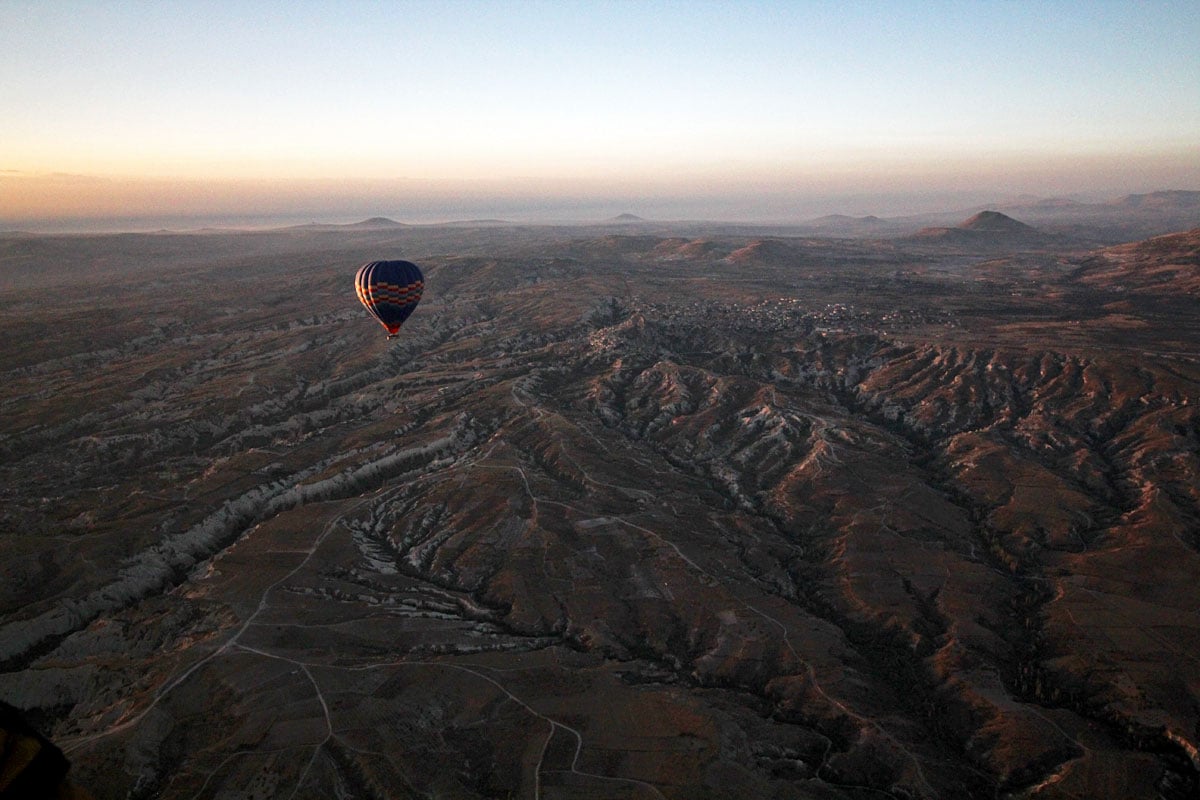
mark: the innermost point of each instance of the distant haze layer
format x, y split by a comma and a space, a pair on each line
65, 202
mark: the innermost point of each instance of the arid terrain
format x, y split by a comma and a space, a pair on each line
633, 510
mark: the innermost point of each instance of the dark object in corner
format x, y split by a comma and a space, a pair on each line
31, 767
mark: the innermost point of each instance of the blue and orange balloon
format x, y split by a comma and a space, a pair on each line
390, 290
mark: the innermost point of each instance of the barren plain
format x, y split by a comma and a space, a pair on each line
627, 511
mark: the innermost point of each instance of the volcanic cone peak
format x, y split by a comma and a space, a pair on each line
985, 229
994, 221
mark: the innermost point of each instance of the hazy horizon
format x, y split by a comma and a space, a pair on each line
361, 203
422, 112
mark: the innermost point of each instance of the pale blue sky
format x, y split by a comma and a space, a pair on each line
640, 98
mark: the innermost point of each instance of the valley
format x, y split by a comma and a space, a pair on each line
627, 511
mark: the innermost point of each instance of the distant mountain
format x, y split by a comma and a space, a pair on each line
844, 219
851, 227
627, 218
475, 223
1130, 218
377, 222
1052, 203
845, 222
374, 223
1174, 200
1167, 202
1164, 265
1036, 201
995, 222
983, 229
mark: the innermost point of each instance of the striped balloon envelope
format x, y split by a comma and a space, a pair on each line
390, 290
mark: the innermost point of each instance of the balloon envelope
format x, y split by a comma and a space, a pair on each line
390, 290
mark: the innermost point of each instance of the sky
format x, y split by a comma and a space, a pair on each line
768, 111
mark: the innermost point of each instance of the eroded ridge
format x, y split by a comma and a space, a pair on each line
616, 517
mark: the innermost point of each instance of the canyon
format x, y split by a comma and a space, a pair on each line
636, 510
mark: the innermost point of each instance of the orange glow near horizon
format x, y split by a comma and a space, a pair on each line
227, 108
26, 196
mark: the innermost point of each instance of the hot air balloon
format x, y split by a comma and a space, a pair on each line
390, 290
